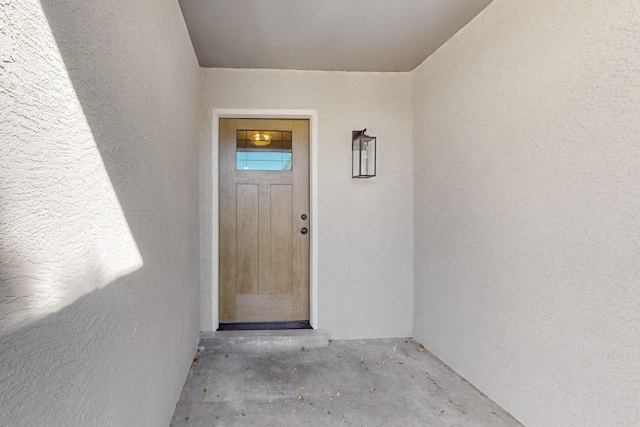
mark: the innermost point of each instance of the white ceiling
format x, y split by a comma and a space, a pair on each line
334, 35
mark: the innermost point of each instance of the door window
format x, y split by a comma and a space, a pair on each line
262, 150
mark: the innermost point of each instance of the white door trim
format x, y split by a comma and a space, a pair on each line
312, 116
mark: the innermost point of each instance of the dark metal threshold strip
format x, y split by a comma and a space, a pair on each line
263, 326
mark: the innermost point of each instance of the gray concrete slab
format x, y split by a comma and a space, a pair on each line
263, 340
387, 382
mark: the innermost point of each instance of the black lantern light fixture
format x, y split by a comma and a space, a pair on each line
363, 154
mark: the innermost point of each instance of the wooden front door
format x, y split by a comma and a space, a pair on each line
264, 209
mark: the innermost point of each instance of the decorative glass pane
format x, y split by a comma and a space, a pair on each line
263, 150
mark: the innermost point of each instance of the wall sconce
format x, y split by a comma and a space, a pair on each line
363, 154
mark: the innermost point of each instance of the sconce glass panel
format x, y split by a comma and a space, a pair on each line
363, 155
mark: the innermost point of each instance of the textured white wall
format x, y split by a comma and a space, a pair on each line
527, 209
365, 277
98, 175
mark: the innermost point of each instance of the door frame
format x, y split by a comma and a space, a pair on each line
312, 116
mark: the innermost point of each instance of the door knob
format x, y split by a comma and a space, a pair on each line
304, 230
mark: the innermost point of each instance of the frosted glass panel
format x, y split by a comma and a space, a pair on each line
263, 150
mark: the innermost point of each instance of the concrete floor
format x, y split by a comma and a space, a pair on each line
386, 382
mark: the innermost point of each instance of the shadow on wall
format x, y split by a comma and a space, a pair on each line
63, 233
54, 371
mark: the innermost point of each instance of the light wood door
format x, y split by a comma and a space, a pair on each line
264, 255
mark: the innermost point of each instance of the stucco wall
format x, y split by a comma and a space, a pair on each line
365, 277
527, 208
98, 211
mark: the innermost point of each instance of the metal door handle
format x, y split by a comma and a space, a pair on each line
304, 230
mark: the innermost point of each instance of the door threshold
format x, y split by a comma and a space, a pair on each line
265, 326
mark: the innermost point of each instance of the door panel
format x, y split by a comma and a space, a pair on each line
247, 244
282, 238
264, 259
